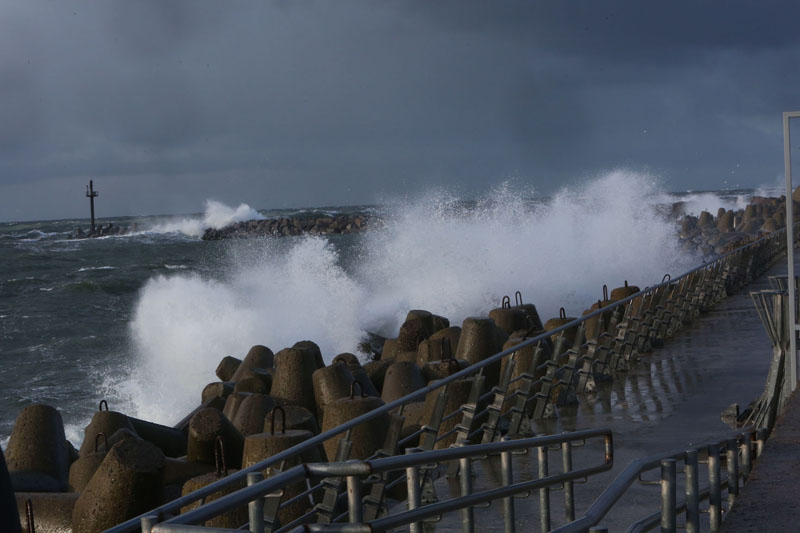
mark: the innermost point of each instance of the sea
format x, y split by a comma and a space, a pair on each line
141, 320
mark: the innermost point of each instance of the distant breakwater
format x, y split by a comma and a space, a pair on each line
321, 225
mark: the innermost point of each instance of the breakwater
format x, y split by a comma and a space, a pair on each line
285, 226
296, 380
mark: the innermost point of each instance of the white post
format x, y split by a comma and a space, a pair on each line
787, 161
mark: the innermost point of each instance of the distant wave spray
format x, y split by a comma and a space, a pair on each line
216, 215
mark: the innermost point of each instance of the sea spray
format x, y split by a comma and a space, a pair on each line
275, 293
216, 215
435, 253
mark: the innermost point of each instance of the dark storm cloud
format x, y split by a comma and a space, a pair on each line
302, 103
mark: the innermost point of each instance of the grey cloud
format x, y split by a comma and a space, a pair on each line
342, 102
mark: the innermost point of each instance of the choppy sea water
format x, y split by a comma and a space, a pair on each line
142, 320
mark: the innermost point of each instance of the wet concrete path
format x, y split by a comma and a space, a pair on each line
670, 399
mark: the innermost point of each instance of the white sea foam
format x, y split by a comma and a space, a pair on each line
217, 215
106, 267
434, 254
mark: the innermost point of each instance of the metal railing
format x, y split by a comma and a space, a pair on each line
740, 451
621, 330
410, 464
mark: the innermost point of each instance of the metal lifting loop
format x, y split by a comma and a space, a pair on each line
97, 442
666, 277
353, 390
605, 292
219, 457
279, 409
29, 513
562, 314
102, 403
506, 302
518, 298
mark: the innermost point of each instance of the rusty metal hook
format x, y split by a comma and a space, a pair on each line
562, 314
605, 292
353, 390
518, 298
29, 514
97, 442
102, 403
506, 302
283, 418
666, 277
219, 457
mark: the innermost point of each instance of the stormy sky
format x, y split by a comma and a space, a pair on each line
277, 103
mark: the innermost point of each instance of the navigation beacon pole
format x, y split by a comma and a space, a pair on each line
91, 194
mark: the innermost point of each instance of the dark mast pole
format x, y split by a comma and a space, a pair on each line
91, 193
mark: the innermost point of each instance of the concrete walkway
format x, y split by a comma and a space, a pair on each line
769, 500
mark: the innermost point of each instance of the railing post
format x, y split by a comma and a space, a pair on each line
668, 496
761, 438
692, 493
569, 496
544, 492
255, 509
732, 454
507, 476
148, 522
414, 498
355, 511
465, 480
747, 455
714, 489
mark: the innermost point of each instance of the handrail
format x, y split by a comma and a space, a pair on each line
617, 488
397, 462
176, 504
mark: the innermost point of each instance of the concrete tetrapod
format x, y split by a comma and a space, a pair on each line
217, 389
126, 484
251, 413
509, 319
258, 357
330, 383
296, 418
376, 371
480, 339
227, 368
38, 453
51, 511
230, 520
293, 383
251, 384
367, 437
204, 428
261, 446
435, 349
232, 404
401, 378
569, 333
83, 468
